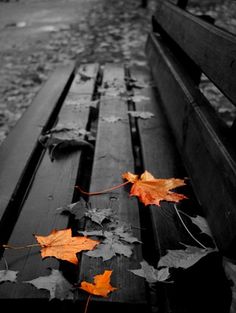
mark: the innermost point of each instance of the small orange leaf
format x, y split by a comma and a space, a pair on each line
151, 190
62, 245
101, 286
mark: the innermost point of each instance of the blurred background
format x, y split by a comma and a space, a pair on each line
37, 36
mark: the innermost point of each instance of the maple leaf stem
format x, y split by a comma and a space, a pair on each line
87, 303
102, 191
179, 216
20, 247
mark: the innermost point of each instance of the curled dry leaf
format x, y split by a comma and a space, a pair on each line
61, 245
151, 190
101, 286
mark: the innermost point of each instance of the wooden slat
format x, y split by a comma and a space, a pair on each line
206, 153
212, 48
160, 157
17, 149
53, 187
113, 156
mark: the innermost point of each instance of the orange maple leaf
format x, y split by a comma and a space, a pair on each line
151, 190
62, 245
101, 286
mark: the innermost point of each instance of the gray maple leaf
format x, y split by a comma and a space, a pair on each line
55, 283
77, 209
99, 215
140, 114
183, 258
8, 275
151, 274
117, 241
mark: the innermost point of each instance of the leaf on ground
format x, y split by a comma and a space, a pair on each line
61, 245
151, 274
117, 241
151, 190
7, 275
139, 98
201, 222
101, 286
60, 128
77, 209
183, 258
112, 119
100, 215
141, 114
55, 283
61, 147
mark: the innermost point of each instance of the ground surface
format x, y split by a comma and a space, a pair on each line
36, 36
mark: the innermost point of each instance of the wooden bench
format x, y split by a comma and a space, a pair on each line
183, 138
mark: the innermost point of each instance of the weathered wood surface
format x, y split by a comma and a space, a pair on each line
161, 158
211, 48
20, 153
52, 187
202, 142
113, 156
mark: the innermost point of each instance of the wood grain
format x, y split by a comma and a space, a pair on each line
53, 187
211, 48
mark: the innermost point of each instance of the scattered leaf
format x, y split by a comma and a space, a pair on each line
55, 283
101, 286
62, 245
111, 119
139, 98
99, 215
7, 275
77, 209
117, 241
201, 222
152, 190
151, 274
60, 147
183, 258
140, 114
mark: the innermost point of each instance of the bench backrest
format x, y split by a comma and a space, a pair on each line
179, 49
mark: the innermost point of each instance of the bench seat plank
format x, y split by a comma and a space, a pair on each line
53, 187
17, 150
113, 156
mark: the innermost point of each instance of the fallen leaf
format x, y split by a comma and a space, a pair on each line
117, 241
151, 274
201, 222
62, 245
140, 114
55, 283
60, 147
101, 286
139, 98
77, 209
112, 119
99, 215
7, 275
151, 190
183, 258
